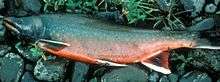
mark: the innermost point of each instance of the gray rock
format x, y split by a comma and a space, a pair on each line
169, 78
210, 8
11, 68
218, 80
194, 5
2, 29
50, 70
28, 77
217, 2
164, 4
29, 67
203, 25
153, 77
4, 49
32, 5
126, 74
28, 52
80, 71
195, 77
2, 5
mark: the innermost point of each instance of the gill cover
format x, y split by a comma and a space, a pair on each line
27, 28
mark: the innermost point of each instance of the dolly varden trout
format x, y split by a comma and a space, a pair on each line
92, 41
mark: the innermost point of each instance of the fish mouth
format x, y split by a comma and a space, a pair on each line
10, 25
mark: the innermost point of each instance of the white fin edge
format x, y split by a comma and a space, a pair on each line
208, 47
157, 68
56, 42
108, 63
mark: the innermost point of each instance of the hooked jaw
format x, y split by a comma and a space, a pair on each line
11, 25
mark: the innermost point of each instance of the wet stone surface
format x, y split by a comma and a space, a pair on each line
195, 77
11, 68
50, 70
125, 74
28, 77
32, 6
194, 6
4, 49
79, 72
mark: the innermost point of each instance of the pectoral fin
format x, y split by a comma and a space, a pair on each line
158, 63
55, 45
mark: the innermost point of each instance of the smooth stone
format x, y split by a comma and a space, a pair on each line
4, 49
29, 67
2, 30
26, 52
50, 70
125, 74
195, 5
218, 80
210, 8
195, 77
153, 77
11, 68
80, 71
217, 2
169, 78
203, 25
28, 77
32, 5
164, 4
2, 4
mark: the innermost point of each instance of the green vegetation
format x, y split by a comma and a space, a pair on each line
133, 10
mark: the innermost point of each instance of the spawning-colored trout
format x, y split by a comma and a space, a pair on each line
92, 41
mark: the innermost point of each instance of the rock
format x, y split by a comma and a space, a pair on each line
29, 67
28, 77
111, 16
50, 70
31, 5
2, 29
195, 6
210, 8
217, 2
203, 25
169, 78
80, 71
11, 68
29, 52
195, 77
153, 77
125, 74
164, 4
4, 49
2, 4
218, 80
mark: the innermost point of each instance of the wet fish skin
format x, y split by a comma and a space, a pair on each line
93, 40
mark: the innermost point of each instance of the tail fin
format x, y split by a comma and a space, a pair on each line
209, 40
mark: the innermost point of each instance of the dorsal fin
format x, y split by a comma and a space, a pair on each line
158, 63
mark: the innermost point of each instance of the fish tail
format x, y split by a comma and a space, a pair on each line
209, 40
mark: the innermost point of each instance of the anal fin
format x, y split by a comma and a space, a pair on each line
108, 63
158, 63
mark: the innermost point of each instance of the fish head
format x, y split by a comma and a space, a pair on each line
25, 28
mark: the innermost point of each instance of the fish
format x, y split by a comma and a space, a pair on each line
92, 41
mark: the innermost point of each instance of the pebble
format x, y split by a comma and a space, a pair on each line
11, 68
2, 31
195, 76
80, 71
164, 4
4, 49
2, 4
125, 74
195, 5
50, 70
205, 24
153, 77
210, 8
28, 77
32, 5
